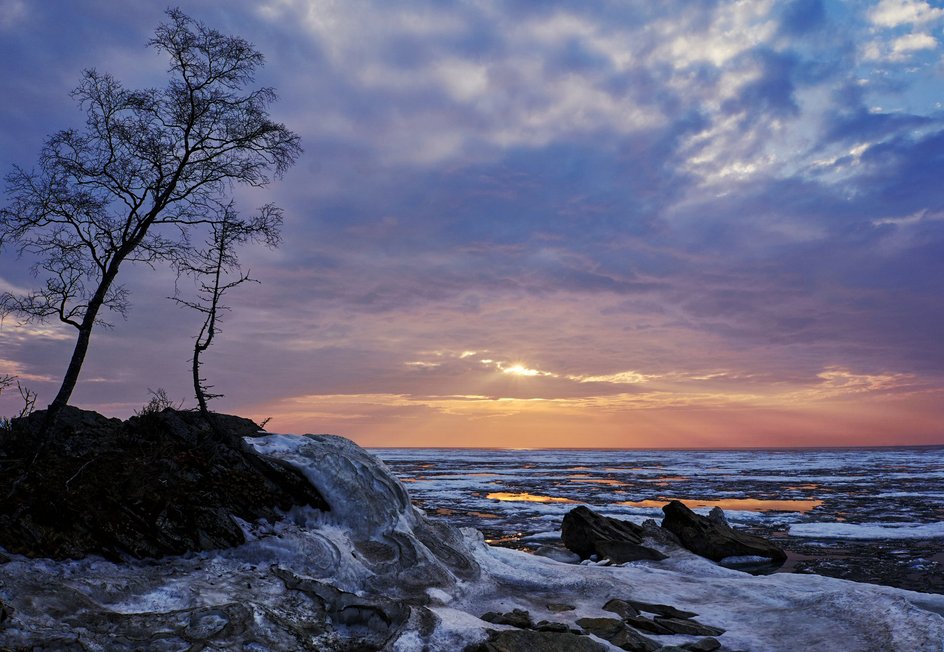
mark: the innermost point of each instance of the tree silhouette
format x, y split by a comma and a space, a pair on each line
151, 168
216, 269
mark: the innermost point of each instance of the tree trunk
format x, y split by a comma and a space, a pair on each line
197, 387
81, 347
72, 373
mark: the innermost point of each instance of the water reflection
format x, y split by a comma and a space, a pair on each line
734, 504
528, 498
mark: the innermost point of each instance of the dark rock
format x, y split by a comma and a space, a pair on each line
655, 532
6, 613
159, 484
619, 552
716, 516
621, 607
3, 558
646, 625
617, 633
704, 645
515, 618
715, 540
524, 640
582, 530
549, 626
686, 626
664, 610
557, 607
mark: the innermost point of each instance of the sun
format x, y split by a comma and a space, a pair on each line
520, 370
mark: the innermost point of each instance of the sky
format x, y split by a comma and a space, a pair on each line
544, 224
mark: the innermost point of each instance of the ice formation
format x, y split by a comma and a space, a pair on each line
375, 573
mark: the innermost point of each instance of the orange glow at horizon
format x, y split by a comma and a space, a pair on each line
837, 408
527, 498
733, 504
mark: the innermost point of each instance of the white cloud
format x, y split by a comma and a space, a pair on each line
909, 43
892, 13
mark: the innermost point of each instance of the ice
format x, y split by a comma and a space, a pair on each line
375, 546
869, 530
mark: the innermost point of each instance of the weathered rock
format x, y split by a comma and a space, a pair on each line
582, 530
647, 625
550, 626
617, 633
524, 640
704, 645
652, 531
686, 626
716, 516
665, 610
5, 614
515, 618
164, 483
713, 539
619, 552
621, 607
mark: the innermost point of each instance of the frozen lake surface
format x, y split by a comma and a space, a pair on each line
873, 515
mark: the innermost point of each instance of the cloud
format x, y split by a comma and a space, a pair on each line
12, 13
644, 206
893, 13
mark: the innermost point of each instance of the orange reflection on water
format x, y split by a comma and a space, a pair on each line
528, 498
734, 504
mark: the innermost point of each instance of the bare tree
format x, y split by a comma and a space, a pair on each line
26, 394
216, 269
150, 166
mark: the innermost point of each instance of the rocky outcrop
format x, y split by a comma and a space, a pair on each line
587, 533
160, 484
713, 537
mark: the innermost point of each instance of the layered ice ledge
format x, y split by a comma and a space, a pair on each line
374, 568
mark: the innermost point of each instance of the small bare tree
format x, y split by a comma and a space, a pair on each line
150, 166
216, 269
26, 394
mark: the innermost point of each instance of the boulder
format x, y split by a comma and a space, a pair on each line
713, 538
583, 531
